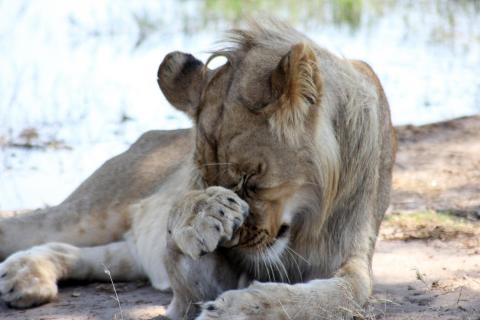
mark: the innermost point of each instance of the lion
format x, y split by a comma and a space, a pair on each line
267, 208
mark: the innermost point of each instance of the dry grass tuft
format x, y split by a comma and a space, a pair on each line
429, 225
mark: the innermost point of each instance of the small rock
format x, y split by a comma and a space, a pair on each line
75, 294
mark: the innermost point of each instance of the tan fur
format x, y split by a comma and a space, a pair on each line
285, 177
297, 78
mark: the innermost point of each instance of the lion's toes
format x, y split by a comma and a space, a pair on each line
228, 199
217, 218
27, 281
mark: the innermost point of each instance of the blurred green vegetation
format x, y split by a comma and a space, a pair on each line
430, 217
349, 13
441, 17
339, 12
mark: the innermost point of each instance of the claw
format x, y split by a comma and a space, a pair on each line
210, 307
236, 224
231, 200
245, 211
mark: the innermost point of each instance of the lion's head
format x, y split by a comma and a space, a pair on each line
261, 128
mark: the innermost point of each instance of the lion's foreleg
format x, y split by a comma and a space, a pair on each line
340, 297
29, 278
194, 281
198, 223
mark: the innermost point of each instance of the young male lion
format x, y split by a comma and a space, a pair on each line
284, 179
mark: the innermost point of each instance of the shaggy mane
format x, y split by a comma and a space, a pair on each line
270, 33
347, 124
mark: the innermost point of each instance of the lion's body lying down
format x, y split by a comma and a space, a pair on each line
302, 137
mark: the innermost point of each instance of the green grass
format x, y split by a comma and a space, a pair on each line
428, 225
338, 12
429, 216
350, 14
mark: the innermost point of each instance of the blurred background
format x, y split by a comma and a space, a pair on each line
78, 78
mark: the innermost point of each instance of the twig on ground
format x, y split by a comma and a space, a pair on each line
460, 294
109, 274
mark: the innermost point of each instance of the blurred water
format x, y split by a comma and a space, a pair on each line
83, 73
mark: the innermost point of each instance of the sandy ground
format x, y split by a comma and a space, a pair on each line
436, 277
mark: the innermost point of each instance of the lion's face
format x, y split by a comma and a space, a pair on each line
254, 120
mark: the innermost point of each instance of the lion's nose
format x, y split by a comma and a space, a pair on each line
283, 230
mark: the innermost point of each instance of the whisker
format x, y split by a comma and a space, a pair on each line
266, 267
298, 255
257, 265
278, 263
284, 269
291, 257
260, 269
217, 164
272, 263
269, 265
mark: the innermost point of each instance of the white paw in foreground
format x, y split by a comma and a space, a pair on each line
29, 278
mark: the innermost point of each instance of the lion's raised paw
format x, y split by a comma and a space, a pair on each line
218, 215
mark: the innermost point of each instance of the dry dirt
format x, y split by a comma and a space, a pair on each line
424, 267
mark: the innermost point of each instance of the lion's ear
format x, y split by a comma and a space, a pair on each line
181, 79
296, 82
297, 76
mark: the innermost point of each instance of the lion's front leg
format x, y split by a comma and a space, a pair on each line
29, 278
198, 224
340, 297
